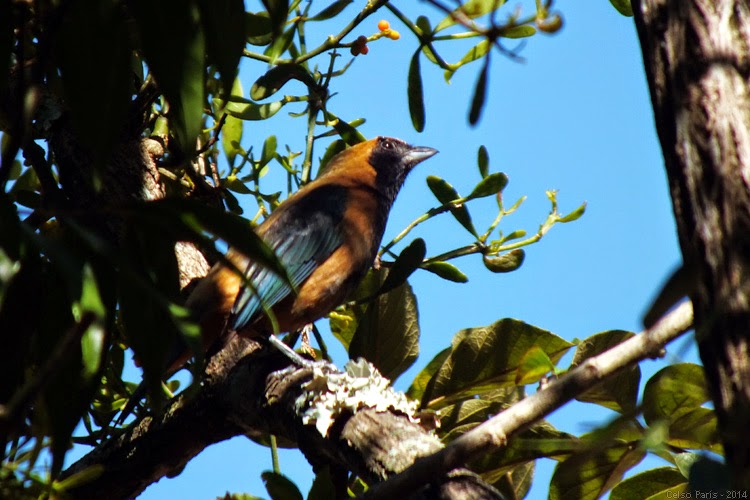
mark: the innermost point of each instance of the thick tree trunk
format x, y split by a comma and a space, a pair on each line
697, 59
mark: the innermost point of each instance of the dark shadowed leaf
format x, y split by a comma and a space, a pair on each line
407, 262
173, 45
445, 193
486, 358
415, 93
279, 487
446, 271
331, 11
258, 28
542, 440
587, 476
480, 94
281, 43
662, 482
224, 25
97, 92
322, 487
387, 332
275, 78
618, 392
6, 40
505, 263
483, 161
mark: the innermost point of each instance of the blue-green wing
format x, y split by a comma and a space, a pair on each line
303, 236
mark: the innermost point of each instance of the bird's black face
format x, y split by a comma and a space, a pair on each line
393, 159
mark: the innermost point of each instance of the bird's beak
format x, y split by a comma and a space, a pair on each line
418, 154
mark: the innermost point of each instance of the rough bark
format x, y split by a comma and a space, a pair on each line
247, 391
697, 54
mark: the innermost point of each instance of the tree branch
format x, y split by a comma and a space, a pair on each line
495, 432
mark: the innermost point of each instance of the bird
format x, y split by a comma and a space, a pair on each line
326, 235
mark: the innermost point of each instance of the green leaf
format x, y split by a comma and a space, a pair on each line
245, 109
269, 150
281, 44
280, 487
574, 215
534, 365
477, 52
662, 482
331, 11
343, 322
446, 271
388, 331
419, 384
483, 161
231, 137
275, 78
489, 185
98, 92
173, 45
515, 483
618, 392
486, 358
480, 94
93, 340
471, 9
332, 150
348, 133
505, 263
224, 25
445, 193
415, 93
623, 7
236, 185
676, 394
522, 31
587, 476
407, 262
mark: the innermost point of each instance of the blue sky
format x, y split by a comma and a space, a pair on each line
576, 117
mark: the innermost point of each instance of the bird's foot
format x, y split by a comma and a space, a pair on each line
290, 353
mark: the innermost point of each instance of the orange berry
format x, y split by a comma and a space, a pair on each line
384, 25
394, 35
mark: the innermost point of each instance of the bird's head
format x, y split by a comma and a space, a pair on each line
392, 160
383, 161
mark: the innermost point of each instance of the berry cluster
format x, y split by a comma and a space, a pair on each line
359, 46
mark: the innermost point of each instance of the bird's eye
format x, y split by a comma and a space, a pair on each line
388, 145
